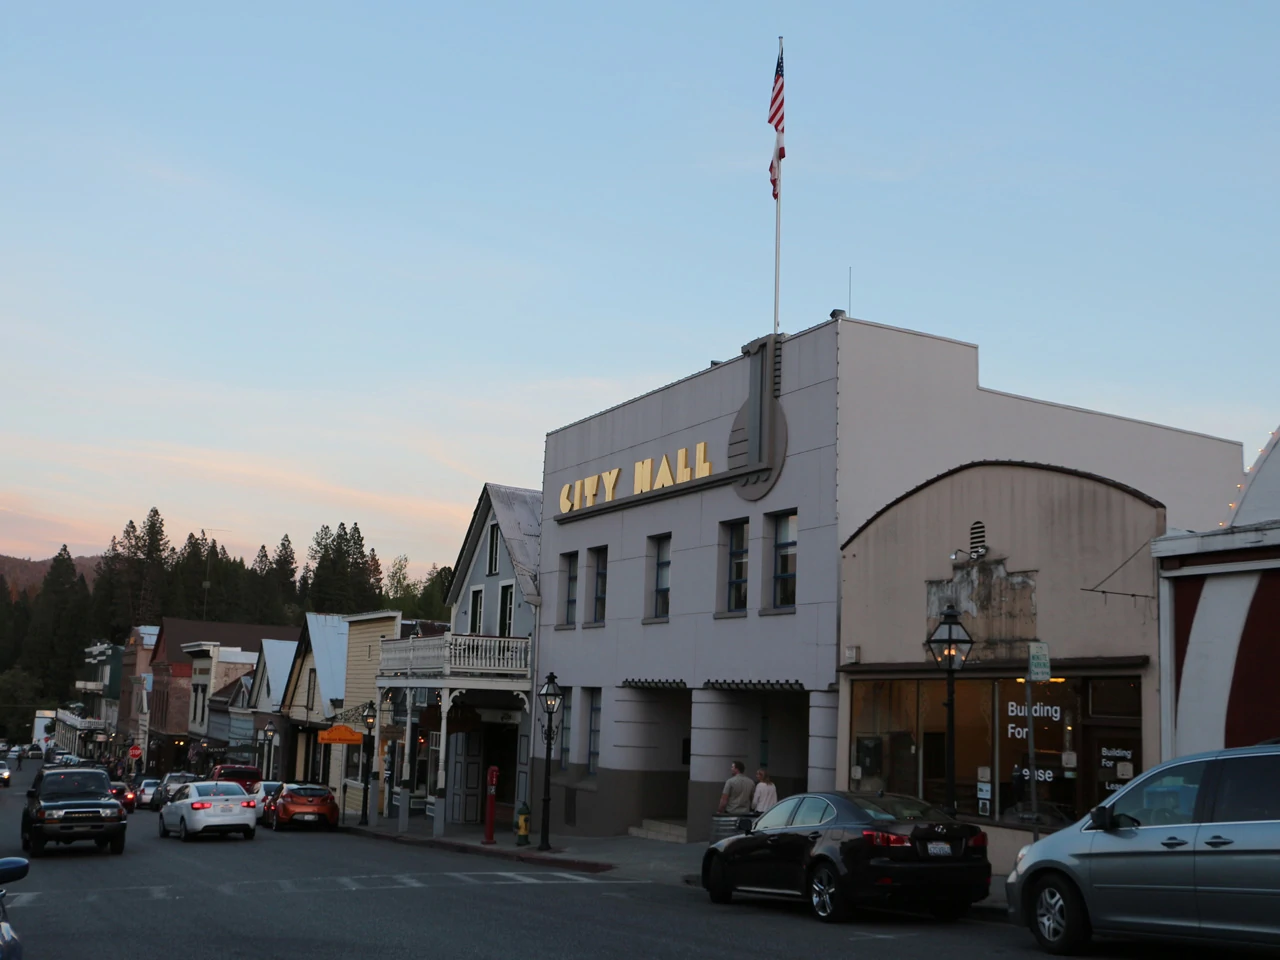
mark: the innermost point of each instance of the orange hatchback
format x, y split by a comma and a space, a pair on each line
301, 804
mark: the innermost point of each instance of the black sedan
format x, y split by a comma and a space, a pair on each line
841, 850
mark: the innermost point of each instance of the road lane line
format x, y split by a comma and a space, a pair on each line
464, 877
519, 877
406, 880
349, 883
574, 877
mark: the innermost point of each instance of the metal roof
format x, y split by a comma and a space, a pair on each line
519, 515
1260, 494
277, 656
328, 635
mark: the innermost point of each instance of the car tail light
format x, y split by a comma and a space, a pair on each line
980, 840
129, 796
878, 838
201, 805
248, 803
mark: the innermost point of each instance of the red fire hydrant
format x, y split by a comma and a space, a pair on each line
489, 805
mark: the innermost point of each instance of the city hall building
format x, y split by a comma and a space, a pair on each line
690, 551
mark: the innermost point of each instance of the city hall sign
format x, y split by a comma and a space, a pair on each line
603, 487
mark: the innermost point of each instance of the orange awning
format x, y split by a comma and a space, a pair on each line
341, 733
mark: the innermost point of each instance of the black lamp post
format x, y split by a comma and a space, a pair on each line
269, 735
551, 696
949, 646
370, 720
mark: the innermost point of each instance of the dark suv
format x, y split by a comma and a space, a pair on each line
64, 806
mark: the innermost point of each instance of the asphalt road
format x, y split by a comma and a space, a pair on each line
327, 896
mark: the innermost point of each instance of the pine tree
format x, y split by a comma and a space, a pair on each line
155, 551
286, 570
9, 641
374, 567
435, 594
54, 647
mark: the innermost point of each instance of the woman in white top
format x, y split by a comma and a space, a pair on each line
766, 794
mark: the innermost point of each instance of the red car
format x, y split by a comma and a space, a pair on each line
124, 793
301, 804
244, 775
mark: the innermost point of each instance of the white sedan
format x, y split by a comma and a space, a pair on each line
215, 806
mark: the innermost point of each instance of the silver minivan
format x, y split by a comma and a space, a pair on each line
1191, 849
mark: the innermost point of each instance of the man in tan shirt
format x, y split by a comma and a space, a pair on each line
738, 791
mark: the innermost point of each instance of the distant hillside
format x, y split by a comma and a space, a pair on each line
21, 574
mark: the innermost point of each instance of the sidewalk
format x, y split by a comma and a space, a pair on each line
656, 861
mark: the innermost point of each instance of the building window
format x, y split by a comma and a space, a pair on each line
311, 689
600, 561
195, 704
569, 563
566, 715
764, 736
593, 740
736, 595
661, 576
493, 549
784, 560
506, 601
477, 611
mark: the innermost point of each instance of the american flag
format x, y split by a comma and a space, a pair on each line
778, 121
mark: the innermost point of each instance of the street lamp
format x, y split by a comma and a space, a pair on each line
551, 697
370, 721
949, 646
269, 731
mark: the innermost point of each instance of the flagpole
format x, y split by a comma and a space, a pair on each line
777, 237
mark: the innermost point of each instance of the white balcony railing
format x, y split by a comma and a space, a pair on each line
80, 723
457, 656
89, 686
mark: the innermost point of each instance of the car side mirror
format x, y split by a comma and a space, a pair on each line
31, 792
745, 824
1101, 818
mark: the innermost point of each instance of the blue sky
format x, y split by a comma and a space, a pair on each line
267, 270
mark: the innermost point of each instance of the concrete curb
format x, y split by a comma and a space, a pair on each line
497, 853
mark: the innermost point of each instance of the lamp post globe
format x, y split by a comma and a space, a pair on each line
551, 697
949, 645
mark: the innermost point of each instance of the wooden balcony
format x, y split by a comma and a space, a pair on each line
457, 657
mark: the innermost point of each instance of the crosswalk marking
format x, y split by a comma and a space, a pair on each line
358, 883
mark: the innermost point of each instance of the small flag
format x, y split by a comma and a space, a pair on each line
778, 122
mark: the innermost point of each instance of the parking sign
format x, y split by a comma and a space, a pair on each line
1038, 670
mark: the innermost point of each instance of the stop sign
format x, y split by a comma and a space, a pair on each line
135, 752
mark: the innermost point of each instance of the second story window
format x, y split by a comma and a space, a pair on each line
785, 530
493, 550
569, 563
506, 600
311, 689
661, 576
566, 716
736, 596
476, 625
600, 558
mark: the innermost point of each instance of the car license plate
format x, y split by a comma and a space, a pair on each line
225, 808
306, 816
939, 848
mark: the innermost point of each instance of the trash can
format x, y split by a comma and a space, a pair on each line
727, 825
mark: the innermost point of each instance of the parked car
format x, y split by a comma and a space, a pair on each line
237, 772
170, 782
297, 804
13, 754
12, 869
209, 807
34, 752
262, 792
1189, 850
145, 790
841, 850
124, 793
64, 806
6, 775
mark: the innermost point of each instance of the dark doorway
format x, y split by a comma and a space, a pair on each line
500, 741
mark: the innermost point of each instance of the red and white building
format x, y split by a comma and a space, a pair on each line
1220, 621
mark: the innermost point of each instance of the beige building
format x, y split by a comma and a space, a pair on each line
1025, 552
365, 634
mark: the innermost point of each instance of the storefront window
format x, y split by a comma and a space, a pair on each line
883, 744
974, 756
1088, 735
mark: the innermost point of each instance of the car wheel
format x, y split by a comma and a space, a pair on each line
948, 911
718, 886
250, 833
1058, 918
825, 897
164, 831
183, 834
26, 839
275, 823
117, 844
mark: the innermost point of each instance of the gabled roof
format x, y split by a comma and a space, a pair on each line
228, 694
325, 636
1260, 497
175, 632
274, 661
518, 512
